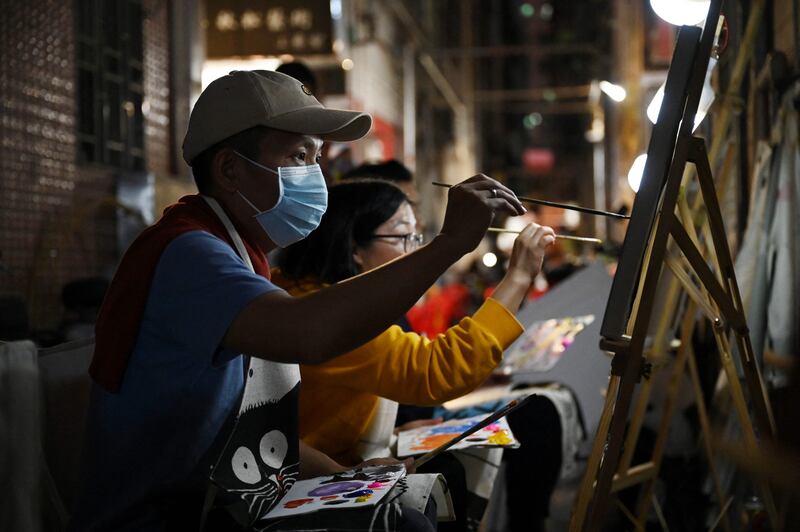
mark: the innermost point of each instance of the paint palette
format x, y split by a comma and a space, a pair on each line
356, 488
425, 439
543, 344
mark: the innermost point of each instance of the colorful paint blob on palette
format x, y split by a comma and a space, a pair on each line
427, 439
432, 442
348, 489
500, 437
296, 503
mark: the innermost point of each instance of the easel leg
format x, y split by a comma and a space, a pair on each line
755, 383
646, 493
587, 484
745, 420
752, 372
705, 426
616, 434
635, 427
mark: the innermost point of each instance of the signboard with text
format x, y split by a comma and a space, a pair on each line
238, 28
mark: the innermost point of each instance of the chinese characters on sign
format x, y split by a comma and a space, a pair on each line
249, 27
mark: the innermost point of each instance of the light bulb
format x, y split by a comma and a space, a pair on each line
706, 99
489, 260
615, 92
681, 12
636, 172
505, 241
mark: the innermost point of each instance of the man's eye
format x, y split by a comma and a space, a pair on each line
301, 156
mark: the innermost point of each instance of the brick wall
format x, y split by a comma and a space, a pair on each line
56, 224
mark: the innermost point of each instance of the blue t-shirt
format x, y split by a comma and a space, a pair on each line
156, 438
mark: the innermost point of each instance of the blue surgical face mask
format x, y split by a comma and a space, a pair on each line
302, 200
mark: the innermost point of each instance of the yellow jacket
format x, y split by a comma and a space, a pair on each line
339, 398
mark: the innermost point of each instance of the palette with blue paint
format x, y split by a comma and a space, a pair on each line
356, 488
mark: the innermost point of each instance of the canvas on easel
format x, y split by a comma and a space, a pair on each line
657, 219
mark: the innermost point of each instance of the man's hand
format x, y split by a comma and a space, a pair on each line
528, 253
470, 208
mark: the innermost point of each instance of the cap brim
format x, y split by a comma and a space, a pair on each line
330, 124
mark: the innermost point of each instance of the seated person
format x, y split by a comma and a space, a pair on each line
197, 351
367, 224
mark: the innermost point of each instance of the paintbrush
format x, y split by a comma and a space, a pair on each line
567, 206
563, 237
510, 407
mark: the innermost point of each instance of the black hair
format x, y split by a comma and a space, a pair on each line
391, 170
300, 72
355, 210
245, 142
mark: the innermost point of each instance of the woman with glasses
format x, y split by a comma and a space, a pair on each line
348, 406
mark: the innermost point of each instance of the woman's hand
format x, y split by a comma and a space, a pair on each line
525, 264
528, 253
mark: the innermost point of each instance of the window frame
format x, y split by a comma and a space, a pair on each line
109, 54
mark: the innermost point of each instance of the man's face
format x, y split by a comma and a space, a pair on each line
260, 186
277, 148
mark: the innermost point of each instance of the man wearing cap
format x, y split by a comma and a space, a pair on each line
195, 366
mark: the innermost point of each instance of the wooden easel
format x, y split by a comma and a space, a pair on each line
714, 292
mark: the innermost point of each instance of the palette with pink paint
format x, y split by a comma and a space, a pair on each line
356, 488
424, 439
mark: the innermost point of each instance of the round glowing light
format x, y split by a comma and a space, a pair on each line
681, 12
347, 64
613, 91
489, 260
505, 241
636, 172
572, 219
336, 9
527, 10
532, 120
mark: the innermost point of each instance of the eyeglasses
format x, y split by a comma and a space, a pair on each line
411, 241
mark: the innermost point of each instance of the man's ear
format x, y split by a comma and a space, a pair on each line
225, 170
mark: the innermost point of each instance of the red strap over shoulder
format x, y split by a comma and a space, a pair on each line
121, 314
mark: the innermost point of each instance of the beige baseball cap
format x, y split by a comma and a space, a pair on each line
249, 98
